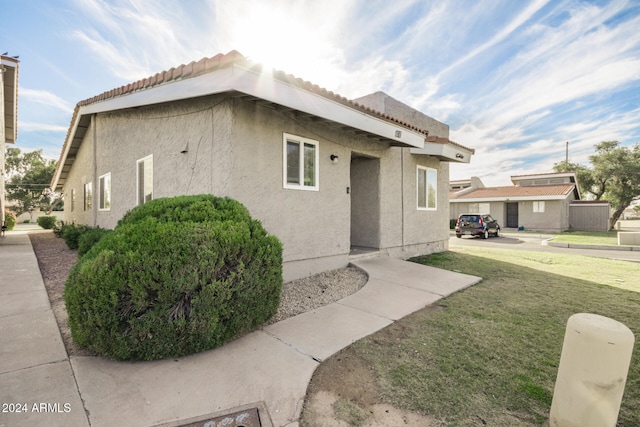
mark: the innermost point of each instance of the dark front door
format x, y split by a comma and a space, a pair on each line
512, 215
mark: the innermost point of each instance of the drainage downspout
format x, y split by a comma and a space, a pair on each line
94, 183
402, 193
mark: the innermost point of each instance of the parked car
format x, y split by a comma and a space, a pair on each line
474, 224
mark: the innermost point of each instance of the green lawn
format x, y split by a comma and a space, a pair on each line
588, 237
489, 354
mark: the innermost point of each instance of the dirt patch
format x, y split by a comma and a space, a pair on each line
346, 375
344, 390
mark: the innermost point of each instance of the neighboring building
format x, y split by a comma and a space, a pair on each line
544, 202
8, 117
323, 173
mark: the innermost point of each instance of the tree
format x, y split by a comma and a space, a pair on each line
620, 166
28, 176
585, 176
614, 176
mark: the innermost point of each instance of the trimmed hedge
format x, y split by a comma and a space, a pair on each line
175, 277
89, 238
71, 234
9, 220
47, 222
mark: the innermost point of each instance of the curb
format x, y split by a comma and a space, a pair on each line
579, 246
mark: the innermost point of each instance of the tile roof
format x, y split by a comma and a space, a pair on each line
528, 191
220, 61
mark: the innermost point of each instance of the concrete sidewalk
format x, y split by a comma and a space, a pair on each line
269, 369
37, 384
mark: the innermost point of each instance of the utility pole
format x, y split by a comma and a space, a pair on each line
566, 159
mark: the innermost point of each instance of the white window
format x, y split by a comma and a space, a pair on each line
145, 179
105, 192
88, 196
300, 160
538, 207
427, 188
483, 208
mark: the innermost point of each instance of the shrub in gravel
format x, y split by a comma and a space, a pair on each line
47, 222
175, 277
58, 229
89, 238
71, 234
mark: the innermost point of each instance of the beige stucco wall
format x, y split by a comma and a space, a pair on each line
554, 218
235, 149
2, 150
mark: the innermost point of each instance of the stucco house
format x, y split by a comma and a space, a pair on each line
542, 202
8, 117
323, 173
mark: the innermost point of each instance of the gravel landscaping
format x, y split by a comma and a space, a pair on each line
56, 259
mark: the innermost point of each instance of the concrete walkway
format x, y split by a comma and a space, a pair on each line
269, 369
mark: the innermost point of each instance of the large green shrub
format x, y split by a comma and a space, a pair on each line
176, 276
47, 222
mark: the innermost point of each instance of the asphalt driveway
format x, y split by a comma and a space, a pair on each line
533, 242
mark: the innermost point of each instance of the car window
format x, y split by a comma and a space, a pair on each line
488, 218
469, 218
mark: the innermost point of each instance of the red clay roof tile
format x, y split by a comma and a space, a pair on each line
516, 191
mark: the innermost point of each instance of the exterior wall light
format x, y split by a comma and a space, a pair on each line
334, 159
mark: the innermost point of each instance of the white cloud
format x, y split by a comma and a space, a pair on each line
40, 127
580, 58
137, 38
502, 34
46, 98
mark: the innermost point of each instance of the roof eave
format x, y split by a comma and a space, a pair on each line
447, 151
263, 86
508, 199
9, 68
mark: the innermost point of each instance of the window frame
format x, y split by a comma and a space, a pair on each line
143, 161
104, 187
427, 170
302, 142
88, 196
538, 206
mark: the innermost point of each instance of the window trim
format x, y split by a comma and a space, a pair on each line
426, 188
143, 161
101, 189
286, 138
88, 201
538, 206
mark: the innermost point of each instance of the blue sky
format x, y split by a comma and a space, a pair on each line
513, 79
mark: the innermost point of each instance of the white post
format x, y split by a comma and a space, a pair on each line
592, 373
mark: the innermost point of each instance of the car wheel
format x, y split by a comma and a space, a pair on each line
497, 232
485, 235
